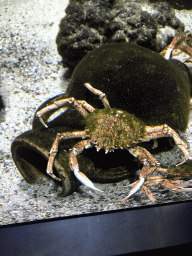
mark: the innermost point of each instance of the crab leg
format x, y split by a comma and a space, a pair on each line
176, 43
150, 164
101, 94
76, 150
80, 105
186, 46
86, 105
58, 104
166, 131
54, 148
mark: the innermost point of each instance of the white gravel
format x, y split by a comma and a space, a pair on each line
32, 73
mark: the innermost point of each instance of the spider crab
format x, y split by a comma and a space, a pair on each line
110, 129
180, 48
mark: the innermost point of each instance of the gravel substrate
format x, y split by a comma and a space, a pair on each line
31, 73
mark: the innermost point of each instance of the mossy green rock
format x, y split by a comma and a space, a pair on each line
137, 80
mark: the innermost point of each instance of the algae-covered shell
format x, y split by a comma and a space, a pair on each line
30, 152
137, 80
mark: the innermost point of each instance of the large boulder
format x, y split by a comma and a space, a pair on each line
90, 24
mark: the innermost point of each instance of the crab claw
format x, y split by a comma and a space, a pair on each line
84, 180
138, 184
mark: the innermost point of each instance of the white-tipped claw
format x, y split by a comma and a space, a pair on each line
83, 179
168, 53
42, 121
135, 188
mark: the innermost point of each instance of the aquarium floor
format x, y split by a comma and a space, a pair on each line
28, 30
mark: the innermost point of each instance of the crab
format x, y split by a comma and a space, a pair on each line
180, 48
109, 129
171, 179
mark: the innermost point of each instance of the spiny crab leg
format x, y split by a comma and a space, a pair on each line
176, 44
149, 165
60, 103
101, 95
166, 131
181, 42
149, 162
81, 105
86, 105
76, 150
54, 148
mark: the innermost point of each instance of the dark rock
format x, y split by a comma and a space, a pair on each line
2, 105
90, 24
177, 4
